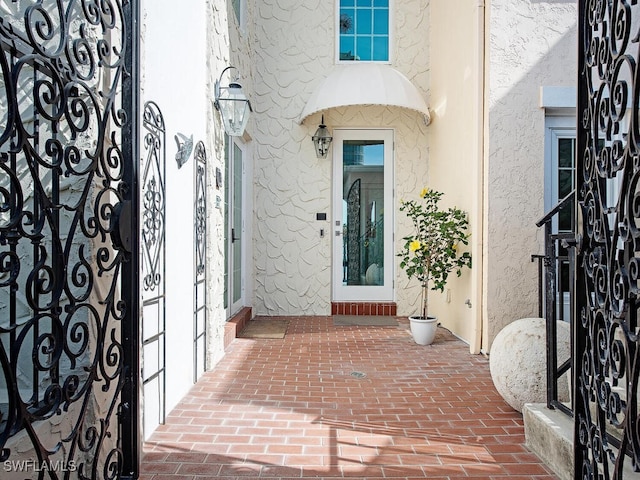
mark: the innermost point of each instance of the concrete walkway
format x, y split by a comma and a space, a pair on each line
331, 402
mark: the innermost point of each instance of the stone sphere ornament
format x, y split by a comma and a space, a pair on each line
518, 362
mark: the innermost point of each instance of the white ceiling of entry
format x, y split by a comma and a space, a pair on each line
365, 84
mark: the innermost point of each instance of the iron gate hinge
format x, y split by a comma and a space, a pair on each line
121, 226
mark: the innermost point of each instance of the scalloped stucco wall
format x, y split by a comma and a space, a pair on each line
532, 44
293, 49
228, 44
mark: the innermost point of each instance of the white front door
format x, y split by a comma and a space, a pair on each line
234, 227
363, 215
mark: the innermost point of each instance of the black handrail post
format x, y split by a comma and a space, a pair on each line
551, 262
550, 313
540, 259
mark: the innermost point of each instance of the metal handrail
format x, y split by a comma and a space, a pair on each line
548, 291
559, 206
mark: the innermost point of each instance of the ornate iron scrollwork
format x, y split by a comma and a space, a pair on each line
607, 350
200, 214
353, 234
200, 271
153, 246
64, 179
153, 198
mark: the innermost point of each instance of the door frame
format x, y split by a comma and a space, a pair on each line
386, 291
234, 307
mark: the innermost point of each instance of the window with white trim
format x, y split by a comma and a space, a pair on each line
363, 27
237, 8
560, 165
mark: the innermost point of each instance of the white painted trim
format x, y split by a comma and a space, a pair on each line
558, 97
245, 234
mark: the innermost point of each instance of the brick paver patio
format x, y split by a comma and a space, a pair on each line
332, 402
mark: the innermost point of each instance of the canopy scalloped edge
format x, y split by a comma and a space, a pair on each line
365, 84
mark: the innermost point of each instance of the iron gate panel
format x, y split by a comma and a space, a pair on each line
153, 249
607, 354
200, 258
68, 260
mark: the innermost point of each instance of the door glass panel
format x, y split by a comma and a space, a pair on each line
363, 212
566, 170
237, 224
565, 182
227, 233
233, 208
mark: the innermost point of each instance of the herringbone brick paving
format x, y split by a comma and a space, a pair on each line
331, 402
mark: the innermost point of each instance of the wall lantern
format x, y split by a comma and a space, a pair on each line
322, 139
233, 105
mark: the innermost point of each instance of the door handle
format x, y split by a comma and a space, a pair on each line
233, 235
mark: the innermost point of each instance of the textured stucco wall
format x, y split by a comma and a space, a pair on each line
292, 262
228, 43
531, 44
293, 50
455, 149
217, 57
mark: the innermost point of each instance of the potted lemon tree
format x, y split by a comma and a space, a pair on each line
432, 253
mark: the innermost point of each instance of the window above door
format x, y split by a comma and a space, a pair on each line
363, 30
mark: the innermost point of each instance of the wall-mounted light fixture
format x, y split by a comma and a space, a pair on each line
233, 105
322, 140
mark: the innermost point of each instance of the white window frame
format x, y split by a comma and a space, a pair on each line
391, 37
242, 10
556, 127
559, 105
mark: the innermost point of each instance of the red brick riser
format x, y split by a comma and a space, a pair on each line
363, 308
235, 325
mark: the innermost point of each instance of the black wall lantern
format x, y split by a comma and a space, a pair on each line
322, 140
233, 105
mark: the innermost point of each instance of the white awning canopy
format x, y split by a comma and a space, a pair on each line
365, 84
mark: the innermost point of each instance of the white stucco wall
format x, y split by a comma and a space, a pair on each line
531, 44
294, 50
174, 76
228, 44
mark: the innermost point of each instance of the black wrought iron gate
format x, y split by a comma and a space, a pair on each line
68, 239
607, 346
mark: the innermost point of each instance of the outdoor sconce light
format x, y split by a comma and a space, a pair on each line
233, 105
322, 139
